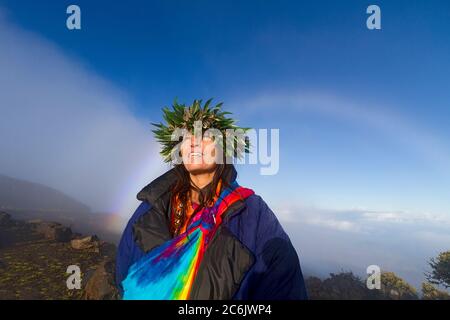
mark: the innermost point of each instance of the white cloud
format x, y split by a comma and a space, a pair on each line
356, 219
342, 225
405, 217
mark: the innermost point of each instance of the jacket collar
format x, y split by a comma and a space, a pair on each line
158, 187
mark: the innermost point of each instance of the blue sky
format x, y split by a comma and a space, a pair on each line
155, 49
363, 115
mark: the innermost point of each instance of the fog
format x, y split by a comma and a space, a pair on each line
64, 126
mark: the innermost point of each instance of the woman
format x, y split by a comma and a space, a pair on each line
197, 234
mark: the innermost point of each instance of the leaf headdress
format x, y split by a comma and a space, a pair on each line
184, 117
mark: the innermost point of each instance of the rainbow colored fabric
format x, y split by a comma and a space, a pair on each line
167, 272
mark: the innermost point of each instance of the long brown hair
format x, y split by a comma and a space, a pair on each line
184, 185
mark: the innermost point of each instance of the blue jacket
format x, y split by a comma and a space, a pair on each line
250, 257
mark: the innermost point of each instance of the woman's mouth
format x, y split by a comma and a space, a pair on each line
196, 154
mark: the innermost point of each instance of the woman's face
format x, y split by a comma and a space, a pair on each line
198, 154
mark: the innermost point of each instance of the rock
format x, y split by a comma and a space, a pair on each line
5, 218
54, 231
108, 249
90, 242
35, 221
101, 285
93, 243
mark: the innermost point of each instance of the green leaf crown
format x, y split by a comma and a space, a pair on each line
184, 117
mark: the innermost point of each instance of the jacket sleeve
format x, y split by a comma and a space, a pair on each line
281, 277
128, 251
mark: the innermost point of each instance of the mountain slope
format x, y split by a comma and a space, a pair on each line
24, 195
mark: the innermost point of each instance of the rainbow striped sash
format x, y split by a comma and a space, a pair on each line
167, 272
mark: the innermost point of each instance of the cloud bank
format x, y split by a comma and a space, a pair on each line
330, 240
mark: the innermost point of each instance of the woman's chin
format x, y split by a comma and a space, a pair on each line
200, 168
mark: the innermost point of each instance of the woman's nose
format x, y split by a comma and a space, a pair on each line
194, 142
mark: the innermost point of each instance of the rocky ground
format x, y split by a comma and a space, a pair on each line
35, 255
